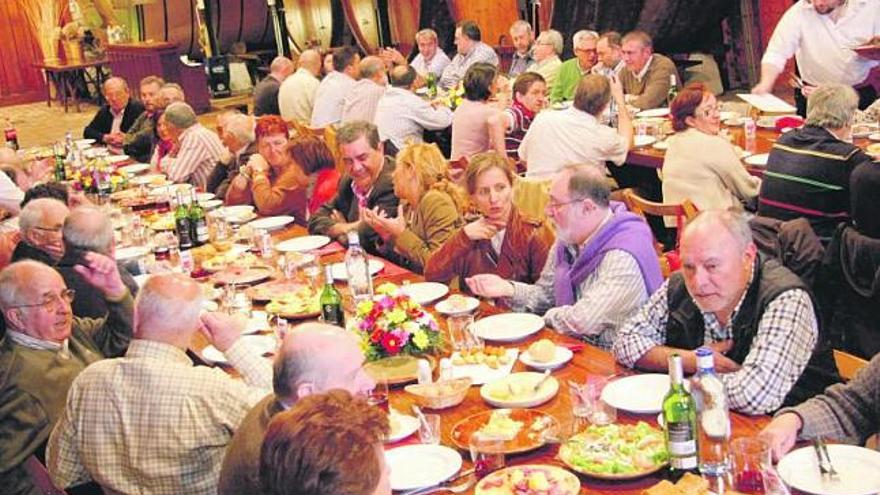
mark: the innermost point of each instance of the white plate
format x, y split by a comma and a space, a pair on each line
471, 303
211, 204
304, 243
418, 466
481, 373
117, 158
734, 122
237, 214
205, 196
263, 344
858, 471
874, 137
561, 105
209, 305
146, 179
425, 292
508, 327
660, 145
641, 394
340, 273
171, 190
406, 426
726, 115
84, 143
639, 141
759, 160
131, 252
258, 322
135, 168
422, 91
864, 129
562, 356
272, 223
547, 391
653, 112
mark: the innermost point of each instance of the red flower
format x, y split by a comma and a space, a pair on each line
376, 336
391, 343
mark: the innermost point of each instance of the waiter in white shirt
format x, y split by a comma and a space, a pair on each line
820, 34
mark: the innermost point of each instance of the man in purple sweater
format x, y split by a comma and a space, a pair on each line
601, 270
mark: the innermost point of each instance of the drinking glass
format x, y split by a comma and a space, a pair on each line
459, 331
429, 429
378, 396
750, 464
312, 269
487, 453
221, 235
587, 405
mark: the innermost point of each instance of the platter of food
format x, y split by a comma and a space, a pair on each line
241, 276
237, 257
529, 479
873, 150
545, 355
160, 221
689, 484
457, 304
518, 390
237, 214
440, 394
483, 365
303, 303
395, 370
616, 451
401, 426
276, 289
521, 429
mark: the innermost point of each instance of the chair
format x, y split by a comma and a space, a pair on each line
847, 364
40, 477
683, 213
328, 134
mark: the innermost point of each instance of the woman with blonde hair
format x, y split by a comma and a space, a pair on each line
430, 209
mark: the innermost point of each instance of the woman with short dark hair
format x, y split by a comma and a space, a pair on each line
471, 133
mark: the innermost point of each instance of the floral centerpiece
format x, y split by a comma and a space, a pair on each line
393, 324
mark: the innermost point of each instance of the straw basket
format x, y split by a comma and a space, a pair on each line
73, 52
48, 42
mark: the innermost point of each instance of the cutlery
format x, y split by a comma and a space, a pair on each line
541, 381
463, 487
825, 466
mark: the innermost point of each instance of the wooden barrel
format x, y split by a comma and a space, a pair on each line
404, 18
364, 23
309, 23
176, 21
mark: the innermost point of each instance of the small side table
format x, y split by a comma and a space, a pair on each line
65, 77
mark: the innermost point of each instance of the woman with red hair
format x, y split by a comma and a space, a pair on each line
271, 181
701, 165
317, 161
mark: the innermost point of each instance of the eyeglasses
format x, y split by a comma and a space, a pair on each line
585, 50
709, 110
51, 230
553, 207
50, 300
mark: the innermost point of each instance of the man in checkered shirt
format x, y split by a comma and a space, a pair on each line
756, 315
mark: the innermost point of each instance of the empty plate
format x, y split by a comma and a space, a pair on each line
425, 292
131, 252
340, 273
418, 466
271, 223
135, 168
759, 160
639, 141
304, 243
653, 112
641, 394
508, 327
402, 426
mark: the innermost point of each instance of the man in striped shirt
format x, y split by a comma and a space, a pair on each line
360, 101
199, 147
402, 115
470, 51
808, 169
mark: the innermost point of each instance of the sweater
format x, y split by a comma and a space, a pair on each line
652, 89
567, 80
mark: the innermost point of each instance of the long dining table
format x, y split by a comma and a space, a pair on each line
588, 361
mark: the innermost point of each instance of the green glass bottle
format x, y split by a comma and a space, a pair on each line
60, 172
431, 84
672, 92
331, 300
198, 222
182, 224
680, 417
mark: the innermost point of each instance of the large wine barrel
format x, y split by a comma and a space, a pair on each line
404, 18
233, 20
364, 23
309, 23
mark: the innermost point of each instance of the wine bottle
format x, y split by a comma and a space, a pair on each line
198, 222
331, 300
672, 92
680, 417
183, 224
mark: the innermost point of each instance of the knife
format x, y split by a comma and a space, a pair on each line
417, 491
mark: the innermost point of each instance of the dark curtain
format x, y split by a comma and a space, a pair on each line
435, 15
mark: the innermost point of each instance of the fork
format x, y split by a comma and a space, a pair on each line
825, 466
460, 488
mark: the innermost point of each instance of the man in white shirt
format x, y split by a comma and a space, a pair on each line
559, 137
361, 100
431, 57
470, 51
330, 96
401, 115
296, 96
820, 34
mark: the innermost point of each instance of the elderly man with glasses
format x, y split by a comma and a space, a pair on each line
45, 348
600, 271
40, 223
572, 70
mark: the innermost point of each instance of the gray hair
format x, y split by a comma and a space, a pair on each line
370, 66
280, 63
587, 181
33, 212
16, 277
731, 220
426, 33
180, 115
115, 81
551, 37
832, 106
88, 228
159, 309
242, 127
299, 361
521, 25
356, 129
173, 93
583, 36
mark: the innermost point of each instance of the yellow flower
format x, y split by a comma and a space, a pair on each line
396, 315
420, 339
387, 289
411, 327
364, 307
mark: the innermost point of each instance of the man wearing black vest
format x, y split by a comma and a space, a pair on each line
756, 315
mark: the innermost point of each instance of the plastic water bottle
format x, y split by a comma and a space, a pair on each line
713, 418
360, 283
750, 129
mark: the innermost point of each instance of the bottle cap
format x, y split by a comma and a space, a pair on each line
353, 238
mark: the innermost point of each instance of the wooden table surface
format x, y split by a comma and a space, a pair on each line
589, 361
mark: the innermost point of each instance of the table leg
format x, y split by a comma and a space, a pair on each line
49, 83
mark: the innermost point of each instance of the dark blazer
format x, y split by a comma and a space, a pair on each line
88, 301
266, 96
103, 120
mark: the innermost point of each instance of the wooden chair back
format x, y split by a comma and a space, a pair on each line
683, 213
847, 364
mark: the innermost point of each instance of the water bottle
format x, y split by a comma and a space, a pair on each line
750, 129
713, 418
360, 283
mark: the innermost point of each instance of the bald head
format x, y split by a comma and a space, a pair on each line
402, 76
310, 60
281, 67
316, 357
15, 281
40, 223
709, 223
167, 309
88, 228
23, 286
373, 68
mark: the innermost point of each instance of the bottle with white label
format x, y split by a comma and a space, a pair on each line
680, 419
713, 417
360, 283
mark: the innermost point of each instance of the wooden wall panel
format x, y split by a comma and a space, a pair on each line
20, 82
494, 18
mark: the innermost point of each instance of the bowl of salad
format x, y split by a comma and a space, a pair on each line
616, 451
